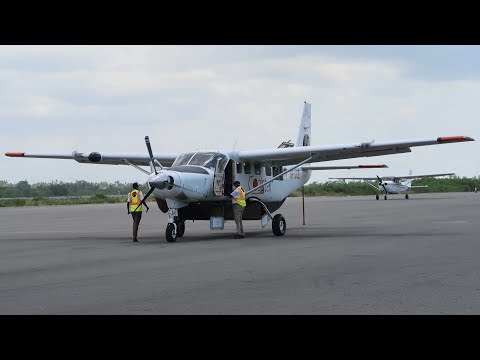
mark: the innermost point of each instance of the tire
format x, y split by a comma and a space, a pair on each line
180, 228
279, 225
377, 197
170, 233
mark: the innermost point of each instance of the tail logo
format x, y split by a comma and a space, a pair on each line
306, 140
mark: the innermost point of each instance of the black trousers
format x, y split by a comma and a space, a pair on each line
136, 216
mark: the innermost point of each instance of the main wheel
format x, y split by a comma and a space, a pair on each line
377, 197
406, 196
180, 228
279, 225
171, 233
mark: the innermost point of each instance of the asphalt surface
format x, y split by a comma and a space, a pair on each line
355, 255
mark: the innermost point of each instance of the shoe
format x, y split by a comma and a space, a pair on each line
242, 236
136, 240
237, 236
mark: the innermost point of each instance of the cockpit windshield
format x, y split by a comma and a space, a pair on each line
204, 159
183, 159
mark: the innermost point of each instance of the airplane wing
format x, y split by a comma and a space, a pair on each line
360, 178
421, 176
295, 155
306, 168
272, 157
166, 159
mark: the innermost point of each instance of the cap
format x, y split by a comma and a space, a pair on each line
236, 183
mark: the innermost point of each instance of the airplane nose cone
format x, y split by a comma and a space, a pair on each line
159, 181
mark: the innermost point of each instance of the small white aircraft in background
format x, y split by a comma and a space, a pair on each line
195, 185
394, 184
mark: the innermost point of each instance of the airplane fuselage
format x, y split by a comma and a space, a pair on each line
205, 179
393, 187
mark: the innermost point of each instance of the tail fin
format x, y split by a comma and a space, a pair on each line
408, 182
305, 130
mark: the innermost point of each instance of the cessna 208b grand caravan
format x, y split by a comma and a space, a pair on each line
394, 184
196, 185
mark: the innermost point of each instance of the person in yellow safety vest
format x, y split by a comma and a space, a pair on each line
238, 205
134, 207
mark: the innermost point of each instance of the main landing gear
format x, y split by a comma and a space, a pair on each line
279, 225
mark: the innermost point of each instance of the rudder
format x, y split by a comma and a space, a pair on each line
305, 131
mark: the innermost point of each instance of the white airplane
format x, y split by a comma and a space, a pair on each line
195, 185
394, 184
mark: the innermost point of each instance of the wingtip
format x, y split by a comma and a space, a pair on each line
444, 139
15, 154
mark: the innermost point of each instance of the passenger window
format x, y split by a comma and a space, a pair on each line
246, 168
268, 171
239, 168
277, 170
257, 168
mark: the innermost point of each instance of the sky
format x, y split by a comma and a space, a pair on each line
62, 98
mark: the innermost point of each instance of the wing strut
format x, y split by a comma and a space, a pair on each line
135, 166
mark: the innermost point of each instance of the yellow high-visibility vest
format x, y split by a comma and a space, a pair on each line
240, 199
135, 197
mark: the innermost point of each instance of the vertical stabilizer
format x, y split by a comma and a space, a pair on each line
305, 131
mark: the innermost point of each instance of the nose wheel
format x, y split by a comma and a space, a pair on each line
180, 228
171, 232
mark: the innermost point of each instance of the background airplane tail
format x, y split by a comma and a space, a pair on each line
408, 182
305, 130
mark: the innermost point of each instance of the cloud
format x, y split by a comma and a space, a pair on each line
107, 98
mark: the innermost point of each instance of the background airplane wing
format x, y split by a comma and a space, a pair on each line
392, 177
358, 178
306, 168
166, 159
295, 155
421, 176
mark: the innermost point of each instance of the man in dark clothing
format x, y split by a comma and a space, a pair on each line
134, 207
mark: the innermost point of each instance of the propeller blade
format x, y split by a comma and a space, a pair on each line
381, 183
150, 153
145, 198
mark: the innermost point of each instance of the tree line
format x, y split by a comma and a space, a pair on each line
80, 188
58, 188
357, 187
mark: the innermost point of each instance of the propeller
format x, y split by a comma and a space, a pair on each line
152, 168
160, 181
150, 153
380, 182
